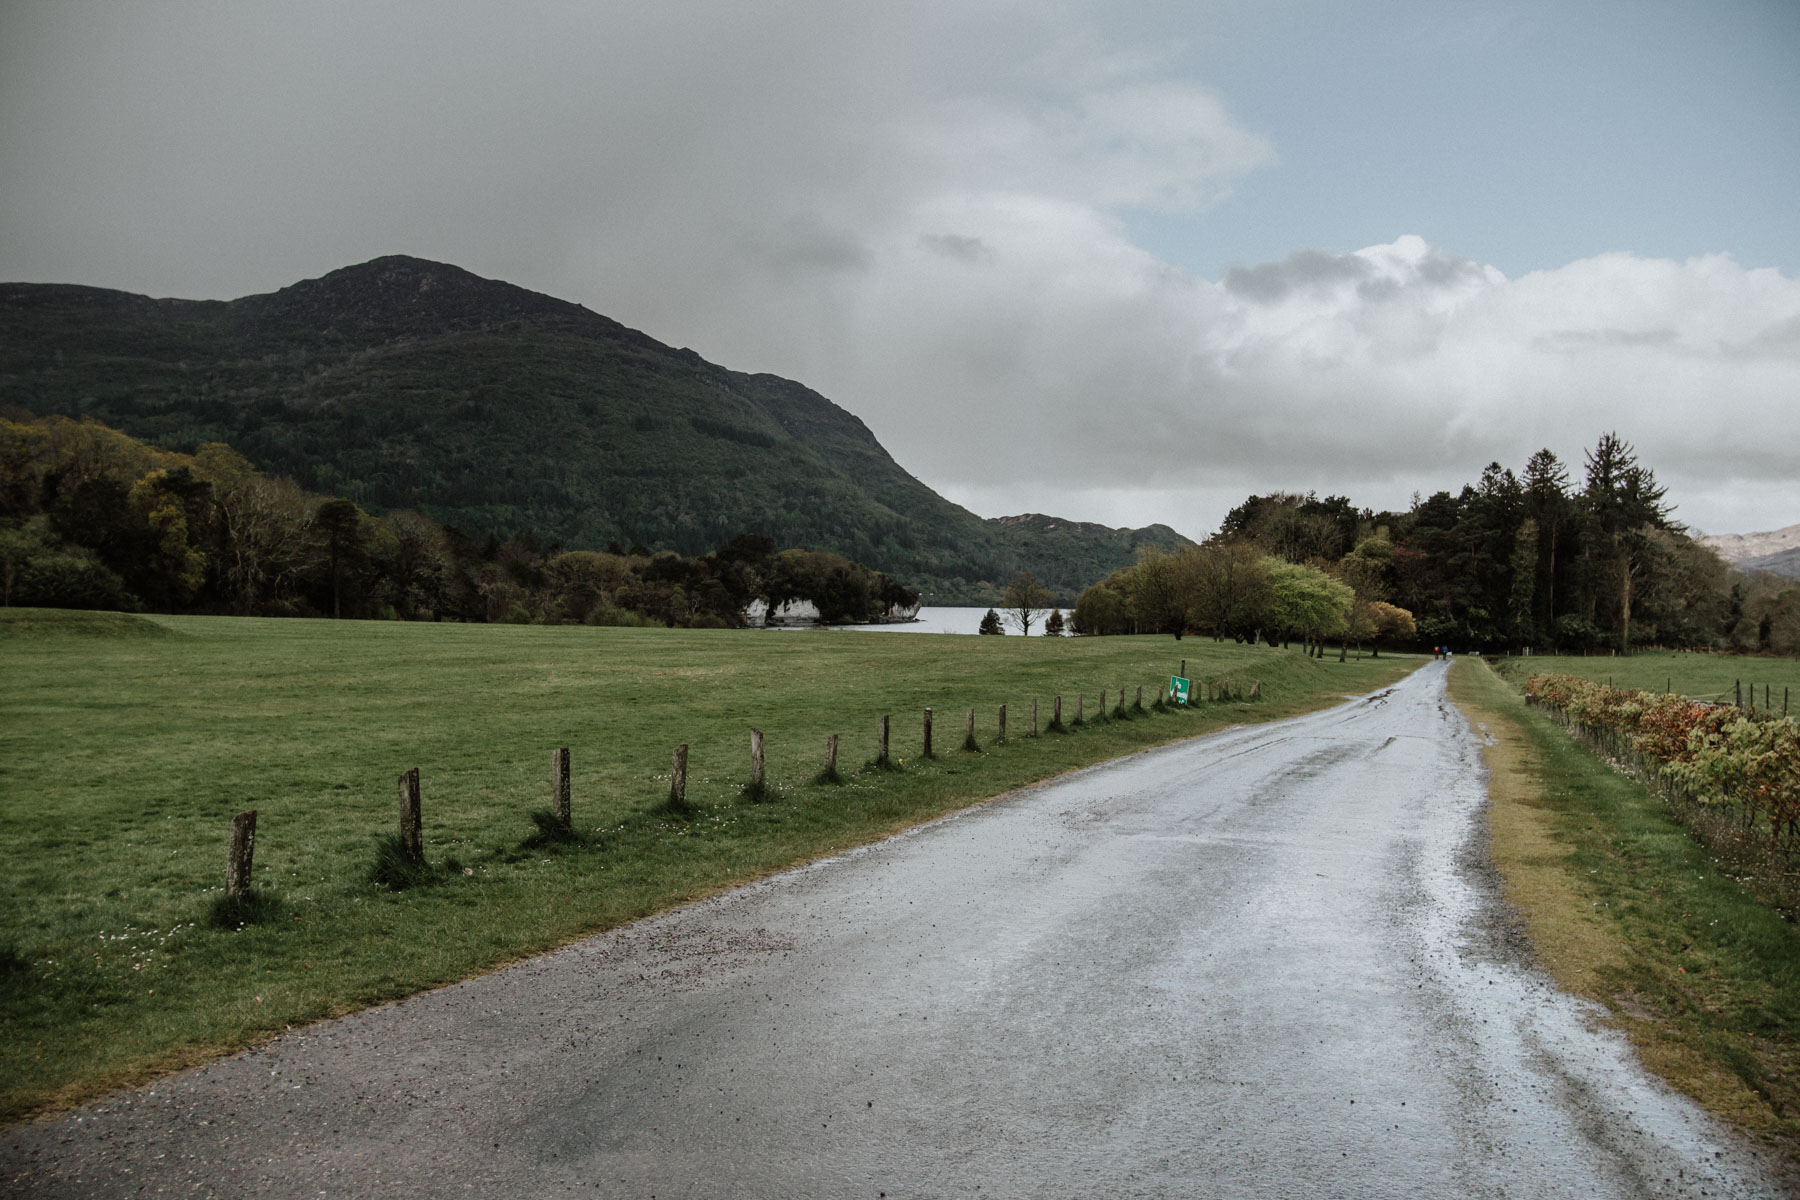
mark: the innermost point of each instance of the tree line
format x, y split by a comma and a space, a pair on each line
92, 518
1511, 562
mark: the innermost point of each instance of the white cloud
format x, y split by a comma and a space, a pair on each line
1065, 363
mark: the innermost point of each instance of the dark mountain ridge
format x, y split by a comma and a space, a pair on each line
402, 383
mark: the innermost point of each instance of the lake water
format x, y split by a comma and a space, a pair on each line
938, 620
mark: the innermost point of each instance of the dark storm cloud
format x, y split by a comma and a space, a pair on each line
1269, 283
950, 245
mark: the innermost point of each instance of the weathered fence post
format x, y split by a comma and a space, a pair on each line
678, 777
1140, 698
1034, 723
1256, 690
831, 757
243, 849
1739, 685
559, 784
756, 761
1056, 713
412, 825
1081, 708
969, 733
1002, 735
882, 755
928, 733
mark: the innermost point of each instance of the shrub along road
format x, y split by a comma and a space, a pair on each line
1266, 962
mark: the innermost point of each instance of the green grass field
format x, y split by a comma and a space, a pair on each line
126, 744
1702, 676
1624, 907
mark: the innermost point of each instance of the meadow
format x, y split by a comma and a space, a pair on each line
127, 743
1700, 676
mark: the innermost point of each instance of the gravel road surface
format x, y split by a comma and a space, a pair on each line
1265, 963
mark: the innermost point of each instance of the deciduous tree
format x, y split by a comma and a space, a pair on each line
1026, 599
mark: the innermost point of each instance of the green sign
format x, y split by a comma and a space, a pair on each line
1178, 689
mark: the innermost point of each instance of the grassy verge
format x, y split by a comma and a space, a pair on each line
1623, 907
1702, 676
126, 746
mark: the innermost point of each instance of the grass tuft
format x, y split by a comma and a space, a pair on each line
552, 830
15, 968
235, 912
394, 869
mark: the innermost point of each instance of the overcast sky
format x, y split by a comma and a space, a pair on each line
1125, 261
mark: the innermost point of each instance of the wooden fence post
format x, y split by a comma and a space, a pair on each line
969, 733
1056, 714
1140, 698
756, 760
831, 757
1081, 708
1034, 723
1003, 722
243, 849
678, 777
559, 784
1739, 685
928, 733
1101, 712
882, 756
412, 825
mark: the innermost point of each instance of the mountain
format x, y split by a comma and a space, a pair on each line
402, 383
1777, 551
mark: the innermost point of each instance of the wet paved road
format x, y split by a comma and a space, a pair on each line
1266, 963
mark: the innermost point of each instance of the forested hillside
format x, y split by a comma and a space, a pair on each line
92, 518
408, 385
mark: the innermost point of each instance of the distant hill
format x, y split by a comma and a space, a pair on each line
1777, 551
402, 383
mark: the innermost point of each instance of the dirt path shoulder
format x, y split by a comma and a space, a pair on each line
1622, 908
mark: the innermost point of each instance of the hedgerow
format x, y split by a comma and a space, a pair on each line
1714, 758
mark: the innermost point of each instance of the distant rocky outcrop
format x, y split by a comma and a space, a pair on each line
1776, 551
408, 384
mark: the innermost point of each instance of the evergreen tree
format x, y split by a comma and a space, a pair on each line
1623, 504
1546, 486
